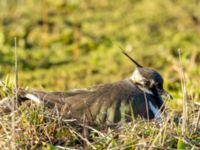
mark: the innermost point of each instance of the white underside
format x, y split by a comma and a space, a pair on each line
155, 111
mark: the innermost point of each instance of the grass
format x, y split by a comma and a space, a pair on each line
63, 45
38, 127
41, 128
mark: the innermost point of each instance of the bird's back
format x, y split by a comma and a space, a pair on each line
103, 103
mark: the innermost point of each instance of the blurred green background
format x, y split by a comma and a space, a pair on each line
68, 44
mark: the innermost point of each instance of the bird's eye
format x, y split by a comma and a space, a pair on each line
147, 83
159, 85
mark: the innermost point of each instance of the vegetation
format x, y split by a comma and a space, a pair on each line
70, 44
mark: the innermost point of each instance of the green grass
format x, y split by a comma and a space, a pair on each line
71, 44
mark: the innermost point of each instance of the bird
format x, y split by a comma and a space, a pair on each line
140, 95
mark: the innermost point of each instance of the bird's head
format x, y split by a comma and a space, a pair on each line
149, 80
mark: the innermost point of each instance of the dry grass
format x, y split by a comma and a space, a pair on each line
37, 127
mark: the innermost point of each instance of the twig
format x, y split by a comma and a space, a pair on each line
160, 132
147, 105
4, 86
197, 123
197, 104
65, 148
93, 129
84, 139
14, 98
185, 101
154, 147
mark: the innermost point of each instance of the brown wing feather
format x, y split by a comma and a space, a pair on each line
100, 103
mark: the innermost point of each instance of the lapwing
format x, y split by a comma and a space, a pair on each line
140, 95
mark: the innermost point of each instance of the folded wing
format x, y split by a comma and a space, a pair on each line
104, 103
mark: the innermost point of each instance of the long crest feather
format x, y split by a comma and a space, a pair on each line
135, 62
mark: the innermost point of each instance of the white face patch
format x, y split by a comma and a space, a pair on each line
137, 77
33, 98
155, 111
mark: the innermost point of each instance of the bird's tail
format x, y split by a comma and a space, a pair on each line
39, 97
6, 100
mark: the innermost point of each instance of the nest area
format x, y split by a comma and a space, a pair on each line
40, 127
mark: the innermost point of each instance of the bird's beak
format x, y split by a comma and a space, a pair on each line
166, 94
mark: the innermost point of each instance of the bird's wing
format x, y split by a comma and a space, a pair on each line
107, 103
103, 103
50, 98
